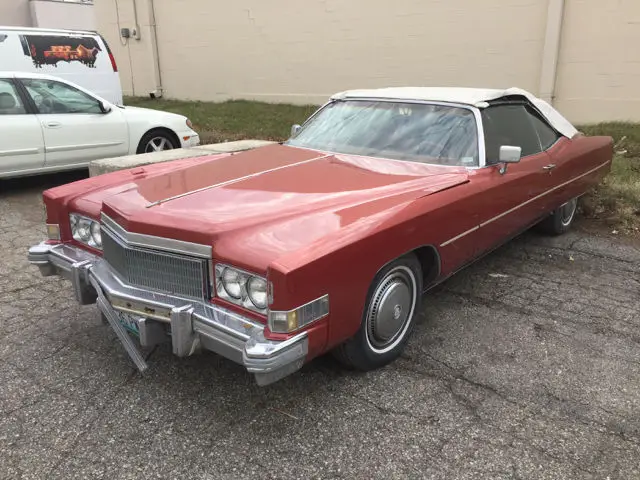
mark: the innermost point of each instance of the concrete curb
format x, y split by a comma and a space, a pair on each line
106, 165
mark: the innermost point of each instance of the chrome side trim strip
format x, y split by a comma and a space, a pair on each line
463, 234
235, 180
511, 210
21, 151
70, 148
156, 243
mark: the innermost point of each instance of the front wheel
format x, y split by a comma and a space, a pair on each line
392, 306
157, 141
561, 218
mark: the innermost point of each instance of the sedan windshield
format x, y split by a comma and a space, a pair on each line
415, 132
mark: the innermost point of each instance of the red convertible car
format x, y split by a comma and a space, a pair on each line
325, 242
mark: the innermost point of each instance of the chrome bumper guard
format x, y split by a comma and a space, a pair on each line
193, 324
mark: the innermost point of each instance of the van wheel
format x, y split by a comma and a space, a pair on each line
392, 306
560, 219
157, 141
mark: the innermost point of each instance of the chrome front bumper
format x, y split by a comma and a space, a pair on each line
192, 324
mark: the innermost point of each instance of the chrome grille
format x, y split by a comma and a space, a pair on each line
170, 273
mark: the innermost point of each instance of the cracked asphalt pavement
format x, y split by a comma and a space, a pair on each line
524, 365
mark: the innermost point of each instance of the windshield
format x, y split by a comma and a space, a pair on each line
415, 132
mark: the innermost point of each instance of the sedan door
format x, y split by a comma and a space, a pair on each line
21, 140
76, 129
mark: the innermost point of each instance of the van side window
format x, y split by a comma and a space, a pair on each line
10, 102
53, 97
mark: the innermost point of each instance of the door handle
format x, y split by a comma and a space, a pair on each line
549, 167
52, 124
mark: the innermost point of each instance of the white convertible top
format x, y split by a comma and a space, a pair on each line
477, 97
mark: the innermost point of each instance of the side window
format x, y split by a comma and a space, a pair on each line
547, 135
53, 97
508, 125
10, 101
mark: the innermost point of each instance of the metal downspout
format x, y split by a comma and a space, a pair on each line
551, 50
157, 93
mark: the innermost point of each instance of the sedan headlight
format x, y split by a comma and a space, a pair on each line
85, 230
242, 288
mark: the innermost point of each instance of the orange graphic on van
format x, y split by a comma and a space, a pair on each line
50, 50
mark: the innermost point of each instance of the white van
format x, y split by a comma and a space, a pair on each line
80, 57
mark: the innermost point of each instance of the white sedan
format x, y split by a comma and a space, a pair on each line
48, 124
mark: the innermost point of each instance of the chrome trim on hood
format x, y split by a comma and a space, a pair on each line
156, 243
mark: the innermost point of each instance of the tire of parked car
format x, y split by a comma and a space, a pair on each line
158, 140
392, 306
560, 219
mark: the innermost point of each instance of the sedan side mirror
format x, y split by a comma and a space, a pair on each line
295, 129
508, 154
105, 107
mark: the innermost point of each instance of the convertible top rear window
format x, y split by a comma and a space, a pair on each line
416, 132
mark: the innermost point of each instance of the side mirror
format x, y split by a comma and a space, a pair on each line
105, 107
508, 154
295, 129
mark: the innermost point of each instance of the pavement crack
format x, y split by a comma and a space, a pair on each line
387, 411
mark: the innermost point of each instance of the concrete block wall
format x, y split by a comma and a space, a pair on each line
15, 13
599, 71
301, 52
134, 58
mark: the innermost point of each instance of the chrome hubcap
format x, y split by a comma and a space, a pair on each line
567, 211
158, 144
391, 309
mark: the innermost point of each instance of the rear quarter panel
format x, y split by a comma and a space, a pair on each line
581, 163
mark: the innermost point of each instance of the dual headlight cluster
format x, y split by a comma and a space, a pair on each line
252, 292
242, 288
85, 230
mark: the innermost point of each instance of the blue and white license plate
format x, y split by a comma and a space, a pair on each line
129, 322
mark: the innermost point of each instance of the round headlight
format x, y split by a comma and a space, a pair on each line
83, 230
95, 234
257, 290
232, 282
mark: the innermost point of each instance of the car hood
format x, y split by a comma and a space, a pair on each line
268, 201
148, 113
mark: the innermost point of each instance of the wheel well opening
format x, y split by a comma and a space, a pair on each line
430, 262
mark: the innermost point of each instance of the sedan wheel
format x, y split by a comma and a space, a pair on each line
157, 140
393, 304
158, 144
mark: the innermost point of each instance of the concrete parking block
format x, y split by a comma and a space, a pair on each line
99, 167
